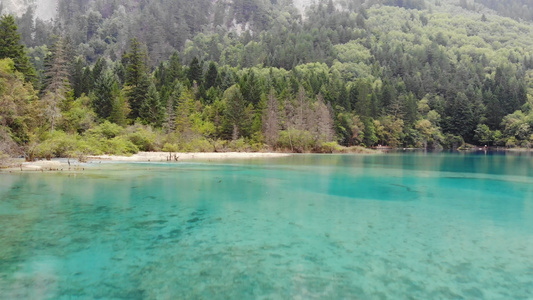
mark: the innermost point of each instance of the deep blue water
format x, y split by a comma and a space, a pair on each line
394, 226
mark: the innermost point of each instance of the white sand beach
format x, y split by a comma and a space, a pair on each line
166, 156
63, 165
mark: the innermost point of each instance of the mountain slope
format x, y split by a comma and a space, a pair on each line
400, 73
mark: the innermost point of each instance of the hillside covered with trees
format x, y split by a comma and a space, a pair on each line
122, 76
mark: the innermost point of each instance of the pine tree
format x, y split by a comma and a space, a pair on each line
102, 95
151, 110
136, 78
175, 69
235, 109
185, 107
195, 72
250, 88
79, 78
119, 107
11, 47
98, 70
461, 118
169, 124
211, 76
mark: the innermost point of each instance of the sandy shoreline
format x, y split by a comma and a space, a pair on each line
63, 165
166, 156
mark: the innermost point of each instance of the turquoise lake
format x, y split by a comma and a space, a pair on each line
393, 226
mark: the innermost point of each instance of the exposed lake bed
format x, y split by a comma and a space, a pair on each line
304, 226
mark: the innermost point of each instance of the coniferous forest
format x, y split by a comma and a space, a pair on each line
122, 76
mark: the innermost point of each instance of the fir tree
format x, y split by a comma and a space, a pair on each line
151, 110
119, 107
11, 47
195, 72
235, 110
103, 95
211, 76
136, 78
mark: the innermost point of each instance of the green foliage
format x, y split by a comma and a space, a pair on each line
103, 94
168, 147
238, 145
117, 146
61, 144
11, 47
78, 117
392, 73
136, 78
484, 135
453, 142
235, 109
152, 109
143, 137
106, 130
19, 112
300, 141
329, 147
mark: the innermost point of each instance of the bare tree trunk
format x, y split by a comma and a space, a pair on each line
235, 134
271, 120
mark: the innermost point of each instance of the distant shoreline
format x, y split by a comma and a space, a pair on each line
74, 165
181, 156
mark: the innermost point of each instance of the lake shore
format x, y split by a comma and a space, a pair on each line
17, 165
64, 164
180, 156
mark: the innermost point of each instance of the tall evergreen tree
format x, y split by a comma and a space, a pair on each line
461, 118
211, 76
235, 110
136, 78
195, 72
119, 107
11, 47
103, 95
152, 110
79, 78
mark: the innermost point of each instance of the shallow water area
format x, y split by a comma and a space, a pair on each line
394, 226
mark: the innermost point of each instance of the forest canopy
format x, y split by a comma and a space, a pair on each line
123, 76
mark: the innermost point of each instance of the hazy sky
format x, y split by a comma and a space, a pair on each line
46, 9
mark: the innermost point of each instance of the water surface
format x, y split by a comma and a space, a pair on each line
396, 226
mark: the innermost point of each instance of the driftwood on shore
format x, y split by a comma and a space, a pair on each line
179, 156
171, 157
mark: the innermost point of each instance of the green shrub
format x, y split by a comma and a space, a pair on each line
168, 147
511, 142
329, 147
106, 130
239, 145
258, 147
296, 140
58, 144
120, 146
200, 145
453, 141
144, 138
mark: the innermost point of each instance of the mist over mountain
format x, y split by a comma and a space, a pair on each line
44, 9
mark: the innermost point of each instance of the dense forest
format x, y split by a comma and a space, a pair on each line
121, 76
